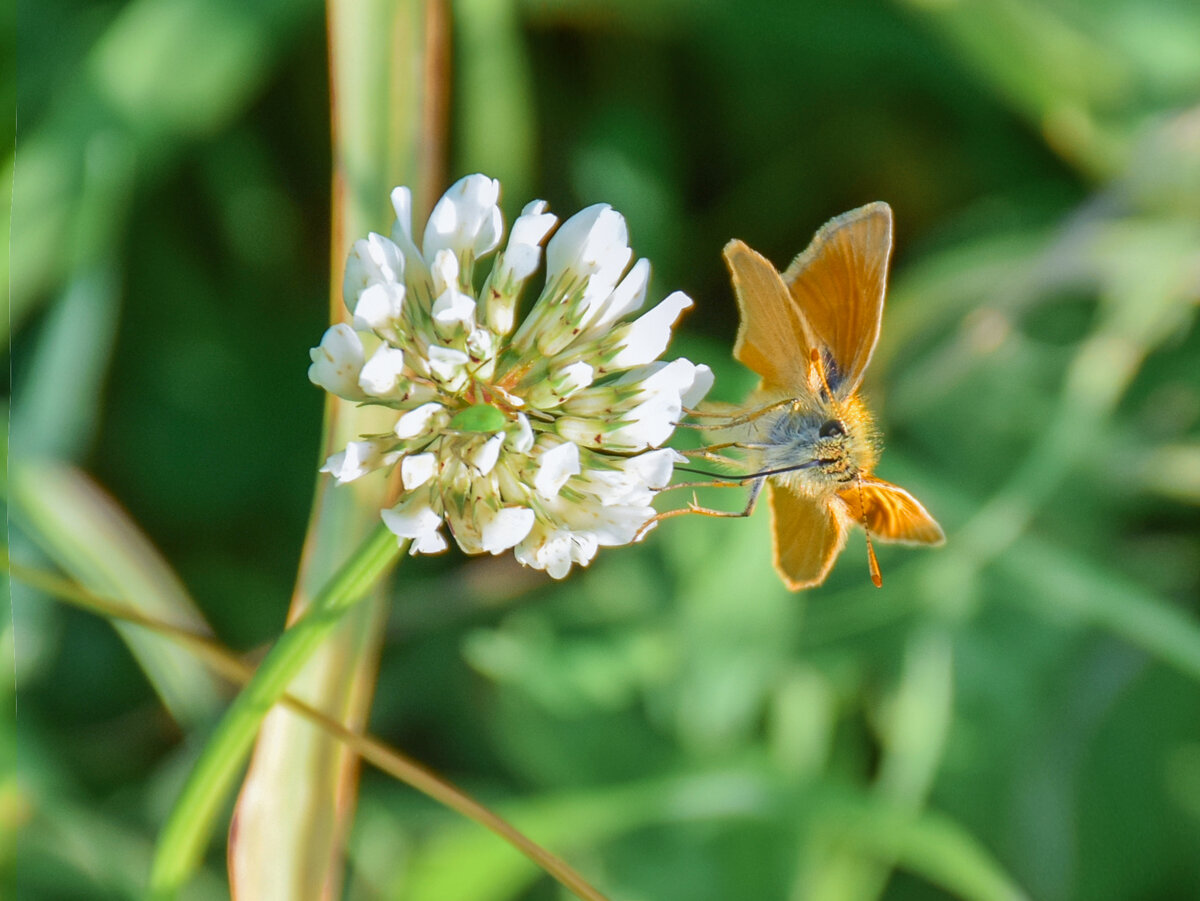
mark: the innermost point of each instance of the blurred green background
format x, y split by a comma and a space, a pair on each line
1016, 714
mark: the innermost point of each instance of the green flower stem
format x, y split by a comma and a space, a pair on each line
183, 839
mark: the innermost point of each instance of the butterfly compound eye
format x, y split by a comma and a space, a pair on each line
831, 429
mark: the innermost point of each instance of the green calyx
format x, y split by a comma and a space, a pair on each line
479, 418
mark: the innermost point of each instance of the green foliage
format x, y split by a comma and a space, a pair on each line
1013, 715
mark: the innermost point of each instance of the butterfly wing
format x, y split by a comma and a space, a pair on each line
773, 339
892, 514
838, 285
806, 537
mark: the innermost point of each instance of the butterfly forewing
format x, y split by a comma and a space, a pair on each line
892, 514
838, 284
772, 339
806, 535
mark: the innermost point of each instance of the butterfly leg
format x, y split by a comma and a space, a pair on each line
694, 507
744, 418
739, 418
719, 483
709, 454
702, 451
706, 452
751, 502
731, 421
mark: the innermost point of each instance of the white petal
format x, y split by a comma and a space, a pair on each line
628, 296
582, 547
506, 528
593, 247
572, 377
654, 468
445, 363
648, 424
417, 469
646, 418
428, 543
379, 306
675, 377
520, 435
620, 524
702, 381
523, 251
416, 271
444, 271
555, 466
481, 343
649, 334
533, 224
358, 459
453, 307
508, 397
561, 384
337, 362
590, 241
416, 520
466, 219
381, 373
610, 487
417, 420
485, 457
519, 263
554, 555
634, 481
402, 204
373, 260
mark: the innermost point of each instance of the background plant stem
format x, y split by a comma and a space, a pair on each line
388, 108
182, 841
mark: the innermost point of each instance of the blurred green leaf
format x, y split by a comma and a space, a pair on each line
90, 537
932, 846
163, 72
1098, 596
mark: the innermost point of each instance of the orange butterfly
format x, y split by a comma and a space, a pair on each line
810, 334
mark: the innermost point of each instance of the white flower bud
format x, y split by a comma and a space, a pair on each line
338, 362
466, 220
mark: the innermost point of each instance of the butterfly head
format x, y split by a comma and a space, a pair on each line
829, 443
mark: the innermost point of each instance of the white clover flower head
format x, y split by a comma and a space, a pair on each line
543, 437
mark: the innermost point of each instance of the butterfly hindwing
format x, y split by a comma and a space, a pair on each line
892, 514
806, 535
838, 285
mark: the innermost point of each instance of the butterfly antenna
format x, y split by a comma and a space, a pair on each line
750, 476
872, 562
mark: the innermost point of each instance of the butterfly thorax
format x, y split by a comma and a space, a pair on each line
831, 443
